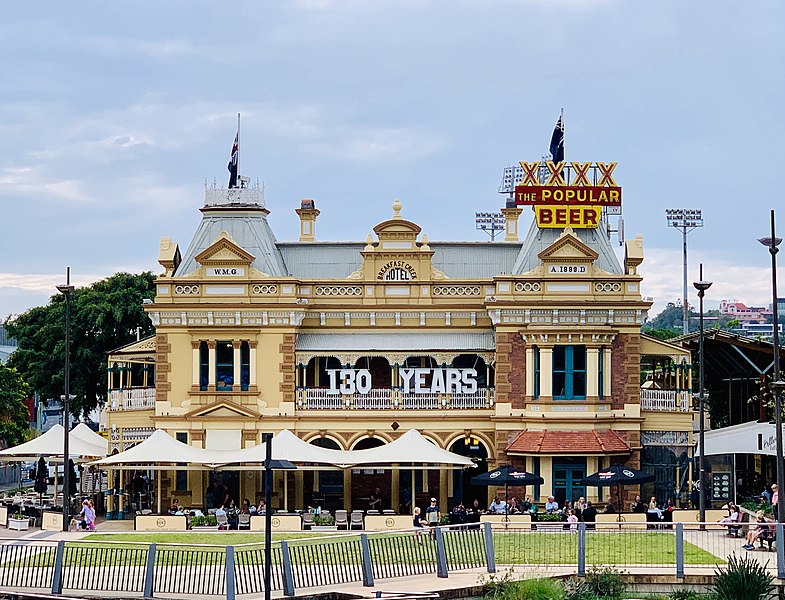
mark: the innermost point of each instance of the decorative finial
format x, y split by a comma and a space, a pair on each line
368, 243
397, 206
424, 247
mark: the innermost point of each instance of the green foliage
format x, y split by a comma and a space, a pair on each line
544, 517
204, 521
671, 318
599, 582
323, 520
755, 507
505, 587
104, 316
662, 333
743, 579
685, 594
14, 423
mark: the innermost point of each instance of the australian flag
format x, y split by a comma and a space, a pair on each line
557, 141
233, 161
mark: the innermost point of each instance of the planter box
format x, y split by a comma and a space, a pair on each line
204, 528
18, 524
324, 527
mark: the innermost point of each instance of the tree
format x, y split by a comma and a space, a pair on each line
104, 316
14, 418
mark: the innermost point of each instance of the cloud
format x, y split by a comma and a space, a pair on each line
33, 181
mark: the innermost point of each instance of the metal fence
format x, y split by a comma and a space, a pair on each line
184, 570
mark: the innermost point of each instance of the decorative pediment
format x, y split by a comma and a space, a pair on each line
222, 410
224, 251
568, 248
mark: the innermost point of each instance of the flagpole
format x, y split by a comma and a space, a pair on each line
238, 145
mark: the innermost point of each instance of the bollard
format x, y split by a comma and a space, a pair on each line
57, 572
680, 550
581, 549
150, 572
441, 553
288, 574
230, 579
366, 564
490, 556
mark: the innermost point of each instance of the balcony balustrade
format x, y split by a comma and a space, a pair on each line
666, 400
388, 399
132, 399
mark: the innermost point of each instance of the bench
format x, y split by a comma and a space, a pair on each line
770, 538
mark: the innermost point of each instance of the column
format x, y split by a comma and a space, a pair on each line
252, 364
347, 489
529, 372
546, 373
195, 367
443, 506
606, 372
120, 496
395, 488
299, 489
236, 364
546, 472
591, 467
211, 365
592, 373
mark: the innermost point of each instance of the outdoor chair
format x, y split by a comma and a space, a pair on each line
388, 511
769, 539
356, 520
243, 521
307, 520
342, 518
223, 521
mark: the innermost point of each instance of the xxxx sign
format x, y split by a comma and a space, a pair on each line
573, 194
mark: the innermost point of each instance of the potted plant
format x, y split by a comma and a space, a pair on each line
204, 522
19, 522
548, 522
324, 523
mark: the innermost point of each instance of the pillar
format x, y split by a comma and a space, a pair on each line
511, 216
546, 372
445, 509
195, 366
307, 213
592, 466
606, 372
120, 497
546, 472
529, 371
299, 489
236, 364
252, 364
395, 488
347, 489
592, 373
211, 365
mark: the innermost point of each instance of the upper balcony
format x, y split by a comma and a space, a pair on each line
393, 399
141, 398
666, 400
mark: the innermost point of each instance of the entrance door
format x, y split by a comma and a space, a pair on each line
567, 478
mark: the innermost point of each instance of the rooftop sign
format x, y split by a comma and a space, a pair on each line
570, 194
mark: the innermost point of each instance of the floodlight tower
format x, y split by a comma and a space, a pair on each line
685, 220
490, 222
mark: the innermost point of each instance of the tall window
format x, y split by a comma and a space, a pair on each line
245, 366
569, 372
536, 372
601, 375
204, 366
224, 366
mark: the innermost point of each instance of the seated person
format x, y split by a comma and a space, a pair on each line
246, 507
551, 506
610, 507
653, 510
637, 505
458, 514
261, 509
498, 507
733, 520
514, 508
589, 514
761, 531
175, 508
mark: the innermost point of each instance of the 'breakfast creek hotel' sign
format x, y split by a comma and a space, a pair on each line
575, 201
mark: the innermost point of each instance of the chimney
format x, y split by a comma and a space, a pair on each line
307, 213
511, 214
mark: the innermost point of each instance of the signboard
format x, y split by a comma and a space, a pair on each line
226, 271
573, 195
397, 270
721, 486
566, 269
418, 381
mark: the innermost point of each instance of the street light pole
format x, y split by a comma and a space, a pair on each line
685, 220
702, 286
772, 243
267, 438
66, 290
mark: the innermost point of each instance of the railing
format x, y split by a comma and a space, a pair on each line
132, 399
666, 400
386, 399
185, 570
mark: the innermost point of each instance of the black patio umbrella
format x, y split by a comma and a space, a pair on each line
617, 475
72, 478
507, 475
41, 485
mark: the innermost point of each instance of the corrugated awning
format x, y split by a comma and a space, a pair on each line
396, 342
568, 442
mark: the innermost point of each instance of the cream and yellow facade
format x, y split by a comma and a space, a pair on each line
524, 351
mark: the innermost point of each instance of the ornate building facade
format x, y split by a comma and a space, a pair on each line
527, 352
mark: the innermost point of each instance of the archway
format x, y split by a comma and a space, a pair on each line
462, 488
379, 367
324, 487
365, 481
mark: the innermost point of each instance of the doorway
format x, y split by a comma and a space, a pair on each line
568, 476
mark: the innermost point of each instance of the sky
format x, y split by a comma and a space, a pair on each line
113, 116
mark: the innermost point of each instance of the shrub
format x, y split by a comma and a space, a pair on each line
320, 520
600, 582
684, 594
744, 579
204, 521
755, 507
504, 588
543, 517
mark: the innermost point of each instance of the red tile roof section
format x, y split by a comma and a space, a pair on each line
568, 442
